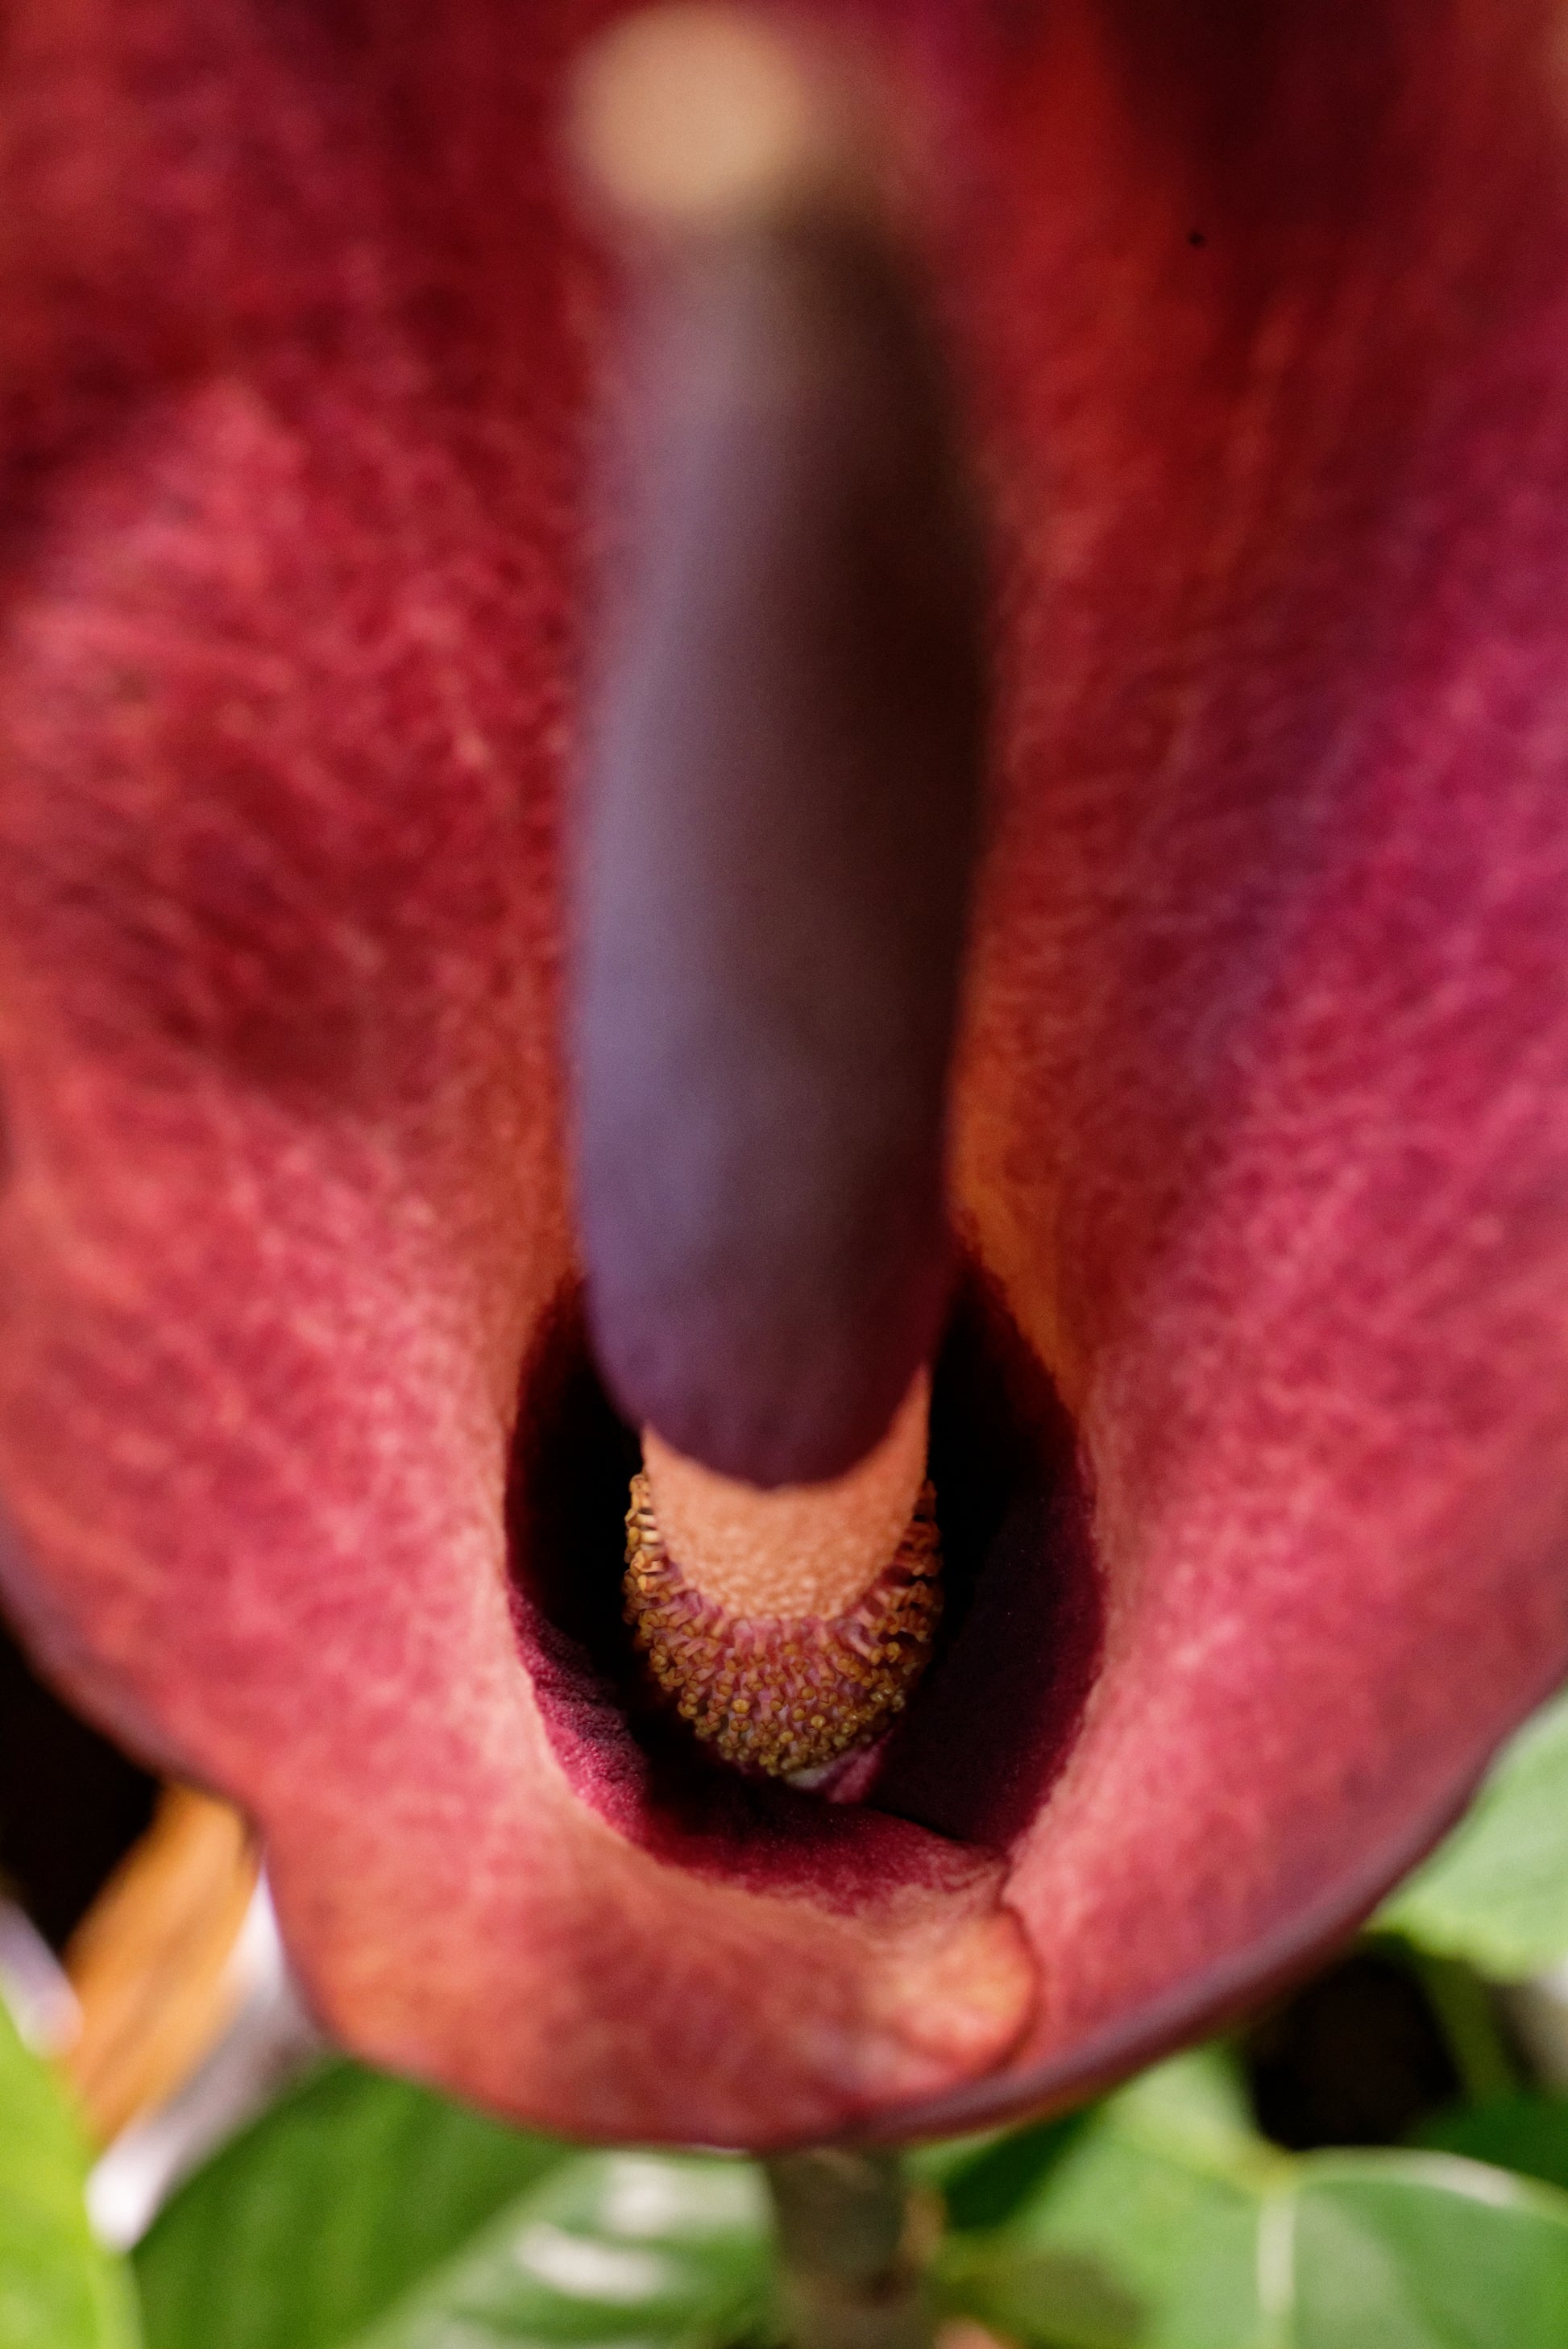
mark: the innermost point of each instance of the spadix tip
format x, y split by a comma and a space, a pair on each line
699, 116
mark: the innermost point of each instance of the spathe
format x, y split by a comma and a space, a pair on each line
1262, 1142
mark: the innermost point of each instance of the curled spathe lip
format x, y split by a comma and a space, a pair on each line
1259, 1142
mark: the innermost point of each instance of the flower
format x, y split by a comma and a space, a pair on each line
1262, 1127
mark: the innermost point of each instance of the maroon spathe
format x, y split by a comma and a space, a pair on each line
1262, 1124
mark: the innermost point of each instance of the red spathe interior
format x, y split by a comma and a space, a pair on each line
1263, 1121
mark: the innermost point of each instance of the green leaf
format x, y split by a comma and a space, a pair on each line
1415, 2251
59, 2288
640, 2251
1198, 2101
1525, 2132
983, 2180
1171, 2225
1144, 2232
326, 2213
1496, 1892
364, 2210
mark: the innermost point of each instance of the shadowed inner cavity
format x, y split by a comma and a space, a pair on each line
988, 1727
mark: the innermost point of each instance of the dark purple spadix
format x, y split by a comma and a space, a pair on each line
777, 833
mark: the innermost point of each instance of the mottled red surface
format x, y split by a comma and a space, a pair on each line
1264, 1128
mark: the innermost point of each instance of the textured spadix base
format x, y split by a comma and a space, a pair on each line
777, 1692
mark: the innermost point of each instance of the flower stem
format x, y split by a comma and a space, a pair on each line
854, 2244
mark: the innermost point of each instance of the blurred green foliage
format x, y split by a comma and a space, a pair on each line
58, 2290
364, 2210
1172, 2225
